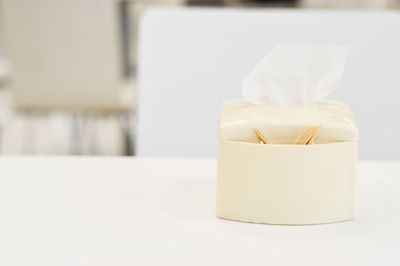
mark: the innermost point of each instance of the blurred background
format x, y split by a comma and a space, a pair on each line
69, 71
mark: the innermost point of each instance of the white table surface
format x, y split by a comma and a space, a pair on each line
127, 211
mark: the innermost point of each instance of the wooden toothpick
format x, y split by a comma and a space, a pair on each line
312, 135
261, 137
300, 137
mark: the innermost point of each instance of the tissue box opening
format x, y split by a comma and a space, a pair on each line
283, 124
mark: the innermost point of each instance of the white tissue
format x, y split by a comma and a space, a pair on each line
295, 74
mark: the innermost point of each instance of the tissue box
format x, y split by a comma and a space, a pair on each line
283, 183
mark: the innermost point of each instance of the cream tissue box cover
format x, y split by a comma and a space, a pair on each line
283, 183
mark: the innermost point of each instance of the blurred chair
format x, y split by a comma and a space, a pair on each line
135, 9
67, 56
190, 60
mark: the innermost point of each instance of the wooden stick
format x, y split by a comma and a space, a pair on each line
300, 137
312, 136
309, 135
261, 137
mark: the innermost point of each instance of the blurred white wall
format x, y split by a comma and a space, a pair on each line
190, 60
